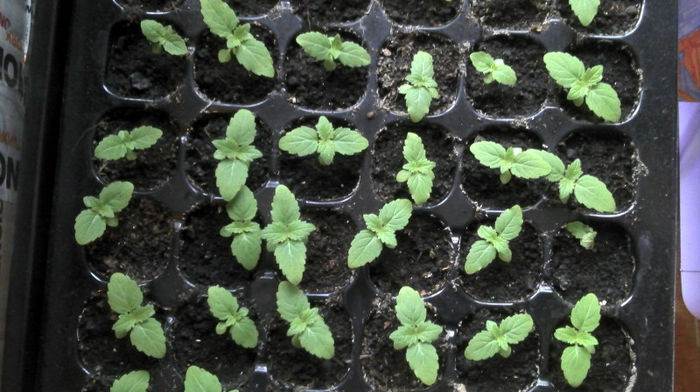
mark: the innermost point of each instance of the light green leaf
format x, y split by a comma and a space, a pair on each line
302, 141
231, 175
365, 248
353, 55
299, 230
585, 10
244, 333
604, 102
200, 380
423, 360
136, 381
575, 362
117, 195
241, 128
349, 142
318, 340
556, 164
586, 314
145, 137
564, 68
243, 207
219, 17
410, 309
509, 223
566, 334
254, 56
515, 328
420, 187
222, 303
592, 193
247, 247
482, 346
566, 188
482, 61
123, 294
404, 336
326, 152
291, 258
291, 301
422, 65
148, 337
285, 208
504, 74
480, 255
315, 45
592, 76
529, 165
88, 227
489, 154
488, 233
429, 332
418, 102
413, 149
573, 172
582, 232
396, 214
111, 148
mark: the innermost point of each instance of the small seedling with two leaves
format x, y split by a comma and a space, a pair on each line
576, 359
585, 10
582, 232
163, 38
381, 231
234, 318
421, 88
200, 380
324, 140
136, 381
495, 241
331, 49
235, 152
306, 326
125, 143
247, 235
286, 236
418, 170
136, 320
416, 335
584, 85
101, 211
511, 162
493, 70
250, 53
497, 339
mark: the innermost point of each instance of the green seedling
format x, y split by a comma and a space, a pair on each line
286, 236
493, 70
101, 211
163, 38
331, 49
418, 170
511, 162
136, 381
381, 231
495, 241
250, 53
324, 140
582, 232
247, 235
576, 359
416, 335
421, 88
136, 320
588, 190
497, 339
224, 306
200, 380
306, 326
235, 152
585, 10
125, 143
584, 85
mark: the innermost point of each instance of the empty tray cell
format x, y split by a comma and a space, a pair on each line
319, 12
511, 14
614, 17
251, 7
421, 12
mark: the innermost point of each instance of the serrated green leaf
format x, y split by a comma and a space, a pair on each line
413, 149
482, 61
585, 10
353, 55
504, 252
254, 56
566, 188
489, 154
241, 128
285, 208
423, 360
528, 164
231, 175
145, 137
291, 301
349, 142
318, 340
592, 193
291, 258
575, 362
326, 152
123, 294
315, 45
556, 165
602, 99
244, 333
509, 223
365, 248
592, 76
299, 230
220, 18
582, 232
200, 380
243, 207
396, 214
417, 102
566, 335
428, 332
516, 328
410, 309
88, 227
586, 314
482, 346
404, 336
422, 65
480, 255
504, 74
564, 68
117, 195
573, 171
111, 148
148, 337
488, 233
136, 381
247, 247
222, 303
420, 186
302, 141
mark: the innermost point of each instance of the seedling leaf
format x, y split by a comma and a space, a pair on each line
136, 381
582, 232
163, 37
331, 49
575, 362
586, 314
602, 99
585, 10
592, 193
148, 337
493, 69
200, 380
423, 360
421, 88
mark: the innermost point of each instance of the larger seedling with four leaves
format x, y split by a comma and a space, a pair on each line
512, 161
324, 140
125, 143
135, 319
495, 241
497, 339
331, 49
101, 211
421, 87
232, 317
416, 335
493, 70
250, 53
417, 173
246, 245
381, 231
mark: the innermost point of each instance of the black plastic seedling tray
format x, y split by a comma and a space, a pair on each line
168, 239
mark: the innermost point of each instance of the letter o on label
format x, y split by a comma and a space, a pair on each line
10, 78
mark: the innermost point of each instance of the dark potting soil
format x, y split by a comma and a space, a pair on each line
195, 342
230, 82
97, 385
99, 350
386, 369
614, 17
309, 84
611, 365
517, 279
319, 12
421, 12
524, 55
251, 7
134, 71
138, 247
151, 5
607, 270
511, 14
610, 156
154, 166
200, 164
620, 70
388, 160
295, 369
206, 257
394, 65
482, 184
422, 259
496, 374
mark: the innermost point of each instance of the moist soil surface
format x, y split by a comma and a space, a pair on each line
252, 7
154, 166
614, 17
517, 279
527, 96
388, 160
195, 342
619, 70
134, 71
394, 65
206, 257
482, 184
151, 5
200, 163
421, 12
611, 365
607, 270
496, 374
295, 369
138, 247
319, 12
309, 85
422, 259
511, 14
230, 82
